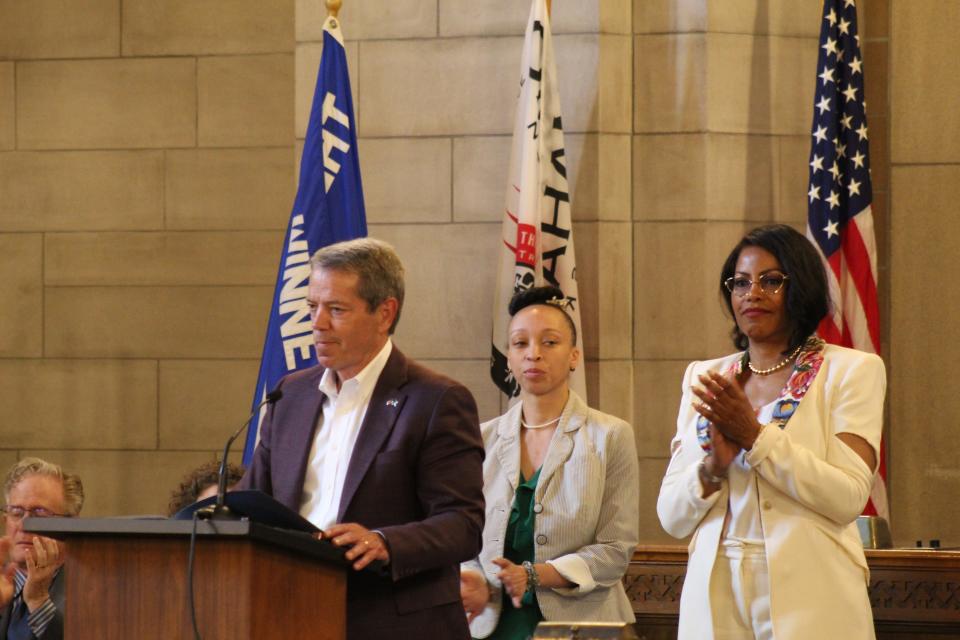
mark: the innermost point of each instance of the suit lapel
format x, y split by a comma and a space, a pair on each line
298, 447
381, 416
572, 419
508, 447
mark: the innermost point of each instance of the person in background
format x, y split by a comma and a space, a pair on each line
202, 483
561, 490
32, 586
773, 459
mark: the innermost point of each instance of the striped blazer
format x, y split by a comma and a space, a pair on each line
586, 505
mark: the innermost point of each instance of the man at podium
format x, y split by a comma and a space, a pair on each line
32, 590
379, 452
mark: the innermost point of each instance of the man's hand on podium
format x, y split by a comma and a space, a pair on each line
364, 545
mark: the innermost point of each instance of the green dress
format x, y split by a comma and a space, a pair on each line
519, 624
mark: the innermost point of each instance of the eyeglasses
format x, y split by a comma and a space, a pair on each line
16, 512
770, 283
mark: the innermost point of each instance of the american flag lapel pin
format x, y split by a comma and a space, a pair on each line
392, 402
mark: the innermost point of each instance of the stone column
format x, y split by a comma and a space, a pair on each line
924, 287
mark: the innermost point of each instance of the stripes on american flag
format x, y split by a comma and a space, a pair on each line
839, 217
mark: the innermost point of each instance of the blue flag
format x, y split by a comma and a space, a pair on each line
328, 208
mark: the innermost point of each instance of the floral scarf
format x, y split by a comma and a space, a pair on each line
805, 369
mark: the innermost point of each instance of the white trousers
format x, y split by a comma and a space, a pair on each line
740, 593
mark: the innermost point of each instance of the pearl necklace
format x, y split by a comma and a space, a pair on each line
776, 367
538, 426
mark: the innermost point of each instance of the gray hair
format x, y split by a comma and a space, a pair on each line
72, 487
376, 264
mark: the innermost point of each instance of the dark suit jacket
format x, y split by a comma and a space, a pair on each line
58, 593
416, 475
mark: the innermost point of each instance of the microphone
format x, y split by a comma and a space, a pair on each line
219, 509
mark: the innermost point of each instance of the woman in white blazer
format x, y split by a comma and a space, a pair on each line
561, 490
774, 458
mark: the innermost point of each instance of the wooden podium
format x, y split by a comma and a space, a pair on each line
127, 578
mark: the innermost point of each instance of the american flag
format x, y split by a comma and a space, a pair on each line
839, 219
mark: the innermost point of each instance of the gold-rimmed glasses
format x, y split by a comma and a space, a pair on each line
770, 283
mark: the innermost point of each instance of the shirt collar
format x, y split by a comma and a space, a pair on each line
364, 381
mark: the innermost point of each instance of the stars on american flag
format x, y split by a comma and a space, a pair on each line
834, 202
839, 170
827, 75
816, 164
839, 215
831, 229
830, 46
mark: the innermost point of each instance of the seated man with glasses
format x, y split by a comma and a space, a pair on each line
32, 586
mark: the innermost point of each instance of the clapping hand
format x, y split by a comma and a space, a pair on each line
43, 561
725, 405
474, 593
514, 579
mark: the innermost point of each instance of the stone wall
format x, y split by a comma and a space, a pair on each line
146, 174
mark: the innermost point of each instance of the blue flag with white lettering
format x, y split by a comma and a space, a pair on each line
328, 208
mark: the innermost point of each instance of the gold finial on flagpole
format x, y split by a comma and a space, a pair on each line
333, 7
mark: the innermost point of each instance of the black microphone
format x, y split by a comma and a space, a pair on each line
220, 510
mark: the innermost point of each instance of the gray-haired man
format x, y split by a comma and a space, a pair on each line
32, 586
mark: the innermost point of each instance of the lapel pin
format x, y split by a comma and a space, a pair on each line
391, 403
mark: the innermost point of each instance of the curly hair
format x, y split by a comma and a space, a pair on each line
201, 478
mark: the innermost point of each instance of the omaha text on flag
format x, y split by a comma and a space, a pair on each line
537, 233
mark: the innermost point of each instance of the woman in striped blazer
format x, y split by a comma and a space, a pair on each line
561, 490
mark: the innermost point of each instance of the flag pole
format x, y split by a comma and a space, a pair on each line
549, 2
333, 7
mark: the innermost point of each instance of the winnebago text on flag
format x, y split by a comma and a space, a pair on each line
328, 208
537, 238
839, 217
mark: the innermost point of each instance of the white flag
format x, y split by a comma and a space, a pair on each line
537, 237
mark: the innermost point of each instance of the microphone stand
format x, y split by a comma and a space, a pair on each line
219, 510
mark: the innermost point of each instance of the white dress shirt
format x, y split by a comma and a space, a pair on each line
334, 438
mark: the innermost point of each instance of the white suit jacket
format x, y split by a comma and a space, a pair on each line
811, 488
586, 505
